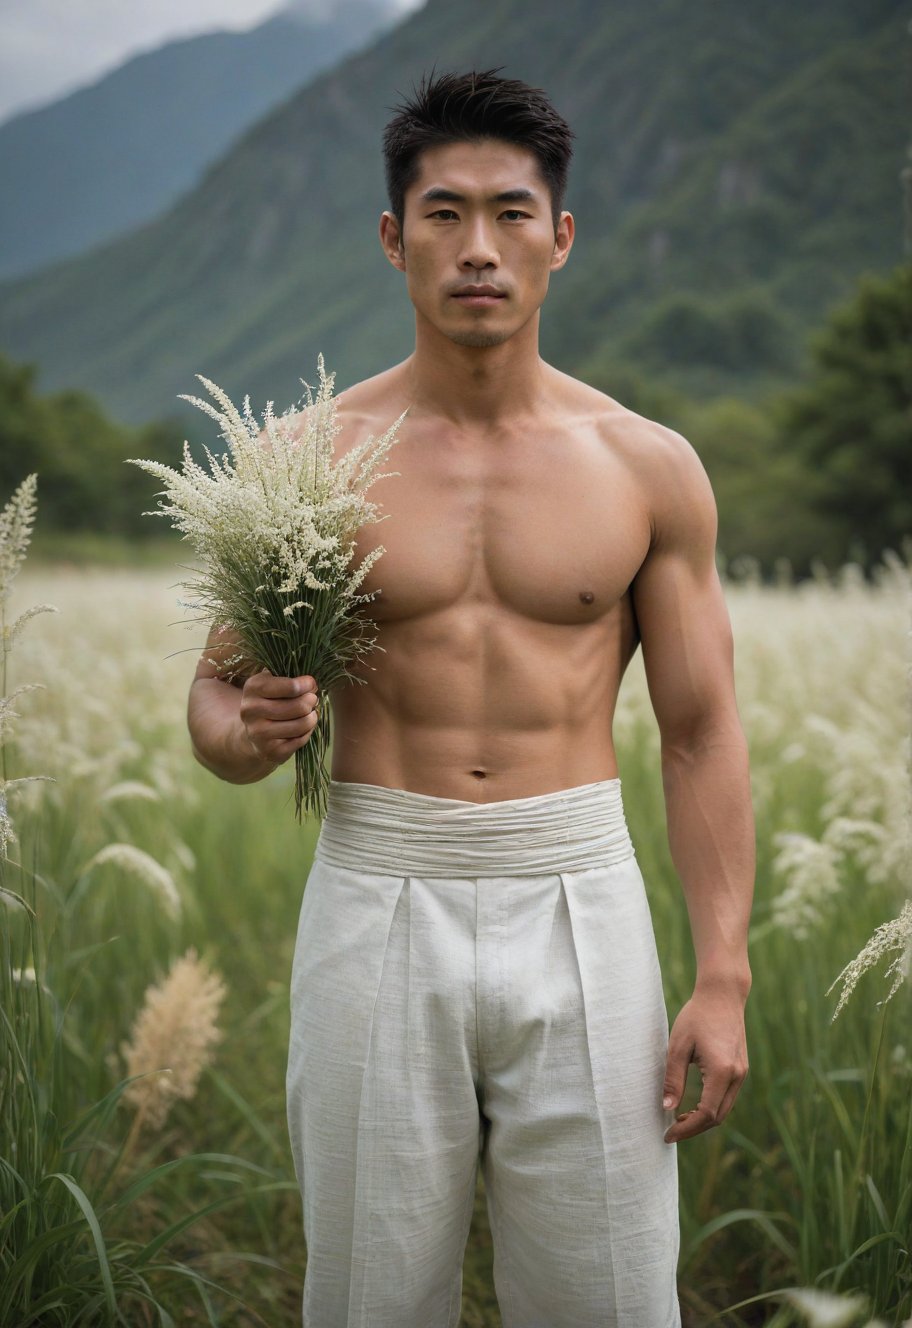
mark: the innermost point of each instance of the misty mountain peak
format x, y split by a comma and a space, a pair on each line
317, 13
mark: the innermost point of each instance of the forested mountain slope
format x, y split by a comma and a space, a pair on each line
737, 168
109, 156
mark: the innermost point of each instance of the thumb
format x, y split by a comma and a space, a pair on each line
676, 1065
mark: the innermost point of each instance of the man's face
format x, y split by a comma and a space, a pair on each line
477, 244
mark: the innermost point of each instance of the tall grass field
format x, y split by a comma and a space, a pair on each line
148, 919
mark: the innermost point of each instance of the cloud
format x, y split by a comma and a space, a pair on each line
51, 47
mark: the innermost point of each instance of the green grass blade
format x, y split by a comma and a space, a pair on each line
149, 1178
85, 1204
260, 1129
162, 1239
766, 1222
877, 1201
22, 1270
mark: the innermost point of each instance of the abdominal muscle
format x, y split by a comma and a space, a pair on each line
478, 704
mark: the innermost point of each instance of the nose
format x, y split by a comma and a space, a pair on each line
478, 250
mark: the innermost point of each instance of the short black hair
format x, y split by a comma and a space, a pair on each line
453, 108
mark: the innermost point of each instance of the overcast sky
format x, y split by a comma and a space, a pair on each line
51, 47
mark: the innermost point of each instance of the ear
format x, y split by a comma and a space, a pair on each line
563, 241
391, 239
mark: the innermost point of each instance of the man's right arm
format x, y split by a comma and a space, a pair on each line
243, 730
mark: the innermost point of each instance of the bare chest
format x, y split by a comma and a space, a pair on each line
553, 531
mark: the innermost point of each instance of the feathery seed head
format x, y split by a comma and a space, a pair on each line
895, 935
130, 789
274, 522
142, 867
811, 869
7, 830
16, 520
173, 1038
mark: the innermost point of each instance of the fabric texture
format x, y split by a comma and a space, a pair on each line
478, 984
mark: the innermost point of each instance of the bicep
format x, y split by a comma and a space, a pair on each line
680, 607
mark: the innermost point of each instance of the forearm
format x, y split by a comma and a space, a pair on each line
712, 841
217, 734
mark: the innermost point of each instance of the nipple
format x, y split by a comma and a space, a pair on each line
586, 596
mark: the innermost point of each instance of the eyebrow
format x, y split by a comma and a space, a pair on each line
437, 194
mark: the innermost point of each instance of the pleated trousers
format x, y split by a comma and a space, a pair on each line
479, 984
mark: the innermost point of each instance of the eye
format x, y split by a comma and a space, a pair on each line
444, 214
514, 214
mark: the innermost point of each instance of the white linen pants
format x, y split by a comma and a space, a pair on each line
480, 982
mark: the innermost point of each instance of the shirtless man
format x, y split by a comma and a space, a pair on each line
475, 972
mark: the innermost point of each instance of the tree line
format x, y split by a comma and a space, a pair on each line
820, 471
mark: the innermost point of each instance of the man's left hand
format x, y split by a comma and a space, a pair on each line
710, 1032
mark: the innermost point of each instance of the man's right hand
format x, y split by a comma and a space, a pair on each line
278, 714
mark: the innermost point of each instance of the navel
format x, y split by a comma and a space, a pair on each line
479, 774
586, 596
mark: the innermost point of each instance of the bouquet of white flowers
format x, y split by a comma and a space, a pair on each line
273, 522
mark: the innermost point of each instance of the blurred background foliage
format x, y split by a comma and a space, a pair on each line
740, 271
821, 471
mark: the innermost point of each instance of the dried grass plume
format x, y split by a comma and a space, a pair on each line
135, 862
16, 520
173, 1038
895, 935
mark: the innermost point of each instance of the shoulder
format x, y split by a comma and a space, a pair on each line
666, 474
673, 481
381, 399
664, 467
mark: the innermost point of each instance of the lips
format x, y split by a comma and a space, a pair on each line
478, 295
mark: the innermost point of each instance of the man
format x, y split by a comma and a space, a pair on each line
475, 971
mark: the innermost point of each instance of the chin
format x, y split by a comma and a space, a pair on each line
479, 338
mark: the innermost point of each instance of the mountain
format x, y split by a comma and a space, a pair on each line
737, 167
117, 153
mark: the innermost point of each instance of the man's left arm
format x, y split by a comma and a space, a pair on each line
689, 659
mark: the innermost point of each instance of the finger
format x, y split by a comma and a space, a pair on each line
677, 1061
705, 1114
276, 748
728, 1100
277, 753
266, 684
264, 732
284, 708
281, 710
688, 1124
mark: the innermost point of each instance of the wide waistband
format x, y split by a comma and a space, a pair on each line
394, 832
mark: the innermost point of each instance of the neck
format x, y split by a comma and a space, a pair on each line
475, 384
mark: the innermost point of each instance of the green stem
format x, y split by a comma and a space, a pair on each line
6, 651
863, 1137
311, 774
